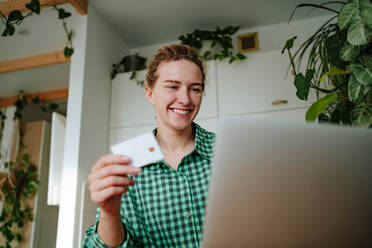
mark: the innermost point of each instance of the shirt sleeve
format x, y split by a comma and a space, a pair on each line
93, 240
136, 232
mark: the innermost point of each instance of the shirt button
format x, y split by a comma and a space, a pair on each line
188, 215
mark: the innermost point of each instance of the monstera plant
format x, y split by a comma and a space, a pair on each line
339, 64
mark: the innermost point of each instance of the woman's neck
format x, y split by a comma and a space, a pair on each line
175, 141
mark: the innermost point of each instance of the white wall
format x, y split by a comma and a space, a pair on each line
97, 47
271, 37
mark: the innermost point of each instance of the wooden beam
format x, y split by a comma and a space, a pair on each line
33, 62
80, 5
45, 96
8, 6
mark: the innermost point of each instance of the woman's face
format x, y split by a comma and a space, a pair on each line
177, 94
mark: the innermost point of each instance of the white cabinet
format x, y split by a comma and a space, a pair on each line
252, 85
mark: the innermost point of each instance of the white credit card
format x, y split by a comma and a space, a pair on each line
142, 150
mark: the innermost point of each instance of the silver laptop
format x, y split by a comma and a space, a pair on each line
288, 184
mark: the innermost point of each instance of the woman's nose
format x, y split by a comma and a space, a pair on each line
183, 97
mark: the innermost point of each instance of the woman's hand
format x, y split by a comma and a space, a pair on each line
108, 181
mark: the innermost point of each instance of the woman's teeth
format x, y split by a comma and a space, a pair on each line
182, 112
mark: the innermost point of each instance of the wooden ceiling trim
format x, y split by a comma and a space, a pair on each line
8, 6
33, 62
45, 96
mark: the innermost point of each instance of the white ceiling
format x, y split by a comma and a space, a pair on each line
140, 23
147, 22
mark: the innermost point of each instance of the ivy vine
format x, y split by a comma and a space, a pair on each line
21, 180
221, 46
16, 17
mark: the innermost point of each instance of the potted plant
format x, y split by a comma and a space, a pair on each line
219, 42
130, 63
339, 66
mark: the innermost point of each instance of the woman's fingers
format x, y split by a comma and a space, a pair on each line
99, 197
110, 181
114, 169
110, 159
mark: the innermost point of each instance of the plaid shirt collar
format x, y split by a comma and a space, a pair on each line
201, 137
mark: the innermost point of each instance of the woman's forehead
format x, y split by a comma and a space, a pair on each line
179, 70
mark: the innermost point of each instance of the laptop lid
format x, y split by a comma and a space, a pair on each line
289, 184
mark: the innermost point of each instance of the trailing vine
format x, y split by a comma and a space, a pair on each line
20, 182
221, 43
16, 17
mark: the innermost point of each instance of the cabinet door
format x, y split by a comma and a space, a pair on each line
130, 108
252, 85
291, 114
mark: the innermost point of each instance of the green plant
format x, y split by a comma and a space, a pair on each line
20, 182
130, 63
16, 18
221, 43
339, 66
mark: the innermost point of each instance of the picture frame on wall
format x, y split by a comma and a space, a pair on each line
248, 42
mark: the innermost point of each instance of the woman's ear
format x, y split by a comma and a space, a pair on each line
148, 93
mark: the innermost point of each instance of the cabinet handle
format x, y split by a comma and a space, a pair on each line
278, 102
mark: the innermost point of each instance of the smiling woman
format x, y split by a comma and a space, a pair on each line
162, 204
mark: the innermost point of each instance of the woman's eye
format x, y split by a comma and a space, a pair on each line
196, 90
173, 87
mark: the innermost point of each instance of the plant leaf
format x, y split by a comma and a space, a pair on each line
349, 52
34, 6
68, 51
333, 72
62, 14
241, 56
319, 106
356, 90
322, 118
366, 60
362, 74
368, 97
9, 30
289, 44
361, 115
207, 55
302, 86
15, 15
358, 33
346, 14
366, 12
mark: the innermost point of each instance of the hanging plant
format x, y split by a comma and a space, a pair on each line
220, 46
20, 182
339, 66
130, 63
15, 18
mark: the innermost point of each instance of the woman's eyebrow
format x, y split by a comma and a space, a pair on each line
172, 81
178, 82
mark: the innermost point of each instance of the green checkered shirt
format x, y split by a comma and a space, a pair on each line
165, 208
